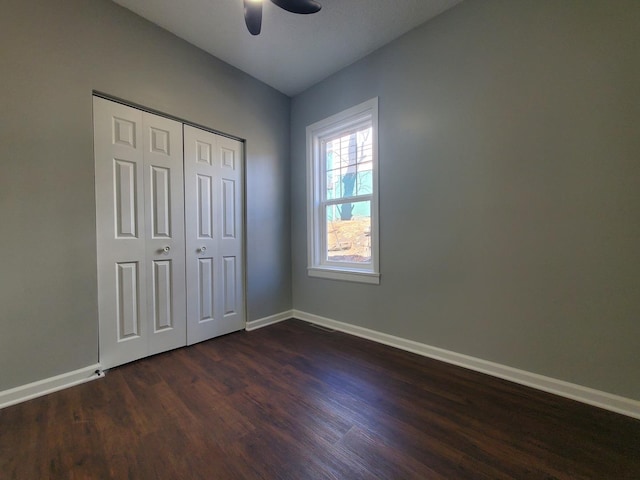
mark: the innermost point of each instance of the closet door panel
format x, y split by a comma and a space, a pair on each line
119, 164
231, 232
127, 304
206, 290
213, 206
164, 232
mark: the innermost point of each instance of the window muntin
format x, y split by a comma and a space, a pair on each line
342, 203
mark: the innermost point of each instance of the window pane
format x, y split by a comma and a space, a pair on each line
349, 232
333, 185
346, 156
364, 182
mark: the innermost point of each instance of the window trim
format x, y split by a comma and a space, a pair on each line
316, 223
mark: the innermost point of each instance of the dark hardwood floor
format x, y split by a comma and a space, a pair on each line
291, 401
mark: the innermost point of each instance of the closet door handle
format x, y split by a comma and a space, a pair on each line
202, 249
166, 249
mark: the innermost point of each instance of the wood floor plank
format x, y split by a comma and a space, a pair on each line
291, 401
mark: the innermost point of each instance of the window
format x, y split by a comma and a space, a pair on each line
342, 195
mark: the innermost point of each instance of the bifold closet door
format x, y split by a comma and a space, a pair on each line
213, 219
140, 233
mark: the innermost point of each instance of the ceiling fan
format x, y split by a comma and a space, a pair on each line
253, 11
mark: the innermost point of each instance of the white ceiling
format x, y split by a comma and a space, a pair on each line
293, 52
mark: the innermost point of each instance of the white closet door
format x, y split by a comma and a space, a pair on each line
139, 204
120, 232
164, 232
213, 219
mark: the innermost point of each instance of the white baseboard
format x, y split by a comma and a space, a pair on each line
270, 320
590, 396
48, 385
608, 401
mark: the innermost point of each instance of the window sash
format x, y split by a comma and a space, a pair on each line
361, 243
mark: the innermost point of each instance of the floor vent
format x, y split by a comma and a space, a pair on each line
320, 327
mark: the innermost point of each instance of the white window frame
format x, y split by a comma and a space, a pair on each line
317, 133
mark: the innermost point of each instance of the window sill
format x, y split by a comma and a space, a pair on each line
347, 275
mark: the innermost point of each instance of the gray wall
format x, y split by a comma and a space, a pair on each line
53, 54
509, 188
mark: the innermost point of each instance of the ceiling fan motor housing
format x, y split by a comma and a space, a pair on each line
253, 11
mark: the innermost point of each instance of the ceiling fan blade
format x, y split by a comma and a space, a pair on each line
299, 6
253, 16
